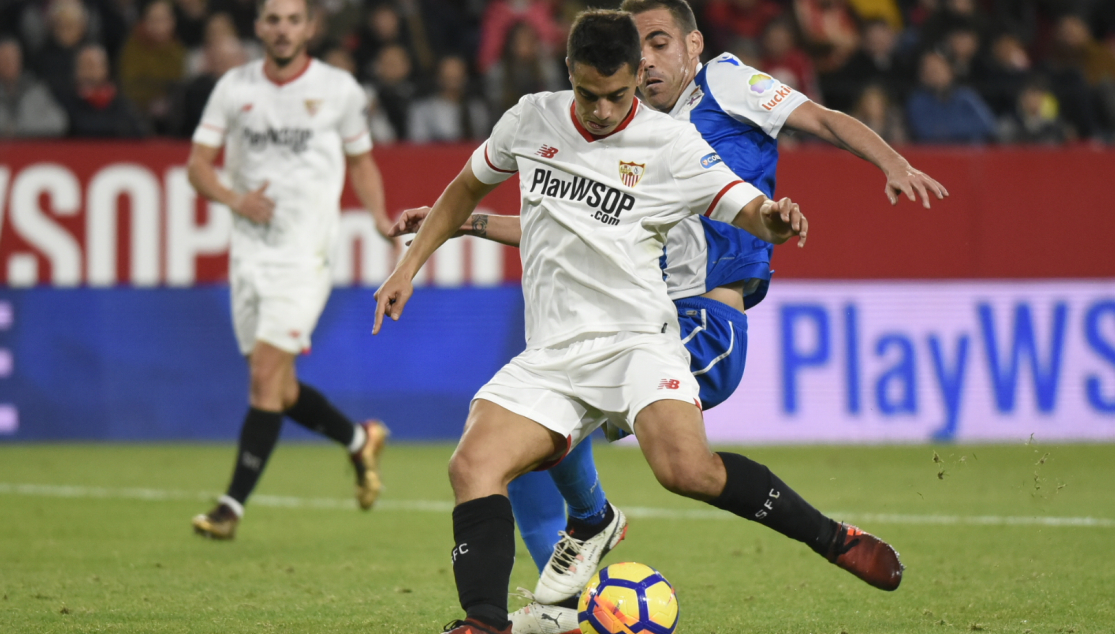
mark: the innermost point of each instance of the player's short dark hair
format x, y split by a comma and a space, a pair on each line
310, 7
680, 9
605, 40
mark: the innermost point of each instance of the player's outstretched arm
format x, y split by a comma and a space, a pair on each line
447, 215
254, 205
366, 180
775, 222
497, 228
846, 132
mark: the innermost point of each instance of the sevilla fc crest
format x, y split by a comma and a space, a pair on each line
312, 106
631, 173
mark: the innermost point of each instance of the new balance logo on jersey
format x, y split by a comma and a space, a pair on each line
294, 138
669, 384
547, 152
605, 203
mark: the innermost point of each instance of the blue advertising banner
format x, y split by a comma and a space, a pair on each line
162, 364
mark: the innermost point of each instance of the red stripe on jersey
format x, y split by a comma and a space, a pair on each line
590, 137
212, 127
716, 201
354, 137
489, 162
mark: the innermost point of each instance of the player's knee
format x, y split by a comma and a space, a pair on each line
693, 477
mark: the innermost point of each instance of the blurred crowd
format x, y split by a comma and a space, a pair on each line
924, 71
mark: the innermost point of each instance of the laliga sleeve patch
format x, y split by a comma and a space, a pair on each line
709, 160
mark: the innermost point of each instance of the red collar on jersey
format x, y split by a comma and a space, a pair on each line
309, 62
590, 137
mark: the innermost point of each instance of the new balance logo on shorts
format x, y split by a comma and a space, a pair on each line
669, 384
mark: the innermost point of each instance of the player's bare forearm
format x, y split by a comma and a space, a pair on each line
850, 134
203, 175
446, 217
367, 182
502, 229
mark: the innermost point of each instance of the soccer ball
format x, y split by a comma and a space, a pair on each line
628, 598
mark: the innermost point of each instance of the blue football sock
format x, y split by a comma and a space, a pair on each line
579, 484
539, 512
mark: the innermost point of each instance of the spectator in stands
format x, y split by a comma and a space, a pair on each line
784, 60
962, 47
941, 112
1001, 79
1035, 119
94, 105
190, 17
54, 63
392, 80
218, 27
876, 62
526, 67
379, 126
452, 114
1075, 48
27, 108
242, 13
383, 27
876, 110
730, 20
500, 22
829, 30
221, 56
152, 63
949, 16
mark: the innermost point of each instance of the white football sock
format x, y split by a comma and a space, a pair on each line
359, 437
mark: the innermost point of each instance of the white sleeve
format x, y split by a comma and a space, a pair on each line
216, 117
493, 162
751, 96
353, 125
705, 184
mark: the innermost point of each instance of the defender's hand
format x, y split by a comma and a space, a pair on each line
909, 181
255, 206
409, 222
784, 220
391, 298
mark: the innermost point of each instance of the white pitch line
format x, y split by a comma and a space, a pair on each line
437, 506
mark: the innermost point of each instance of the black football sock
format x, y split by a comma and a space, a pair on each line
584, 530
756, 494
314, 412
258, 437
484, 531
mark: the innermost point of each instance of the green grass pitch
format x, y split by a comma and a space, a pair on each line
96, 538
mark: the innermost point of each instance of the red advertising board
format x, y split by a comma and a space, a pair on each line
110, 213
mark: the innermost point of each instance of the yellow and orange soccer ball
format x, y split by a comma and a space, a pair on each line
628, 598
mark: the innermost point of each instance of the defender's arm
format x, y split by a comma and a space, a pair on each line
366, 180
846, 132
254, 206
494, 227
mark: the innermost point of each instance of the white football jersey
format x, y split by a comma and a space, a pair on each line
294, 136
596, 211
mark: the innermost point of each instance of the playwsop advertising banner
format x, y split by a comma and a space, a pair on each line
115, 324
890, 362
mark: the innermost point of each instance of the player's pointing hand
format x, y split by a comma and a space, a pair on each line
255, 206
391, 298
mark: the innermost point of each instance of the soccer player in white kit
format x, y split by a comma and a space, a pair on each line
602, 180
290, 126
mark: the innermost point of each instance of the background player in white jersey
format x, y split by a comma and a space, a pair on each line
602, 181
290, 126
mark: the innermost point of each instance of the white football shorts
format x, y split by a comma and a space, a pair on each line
277, 303
576, 387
